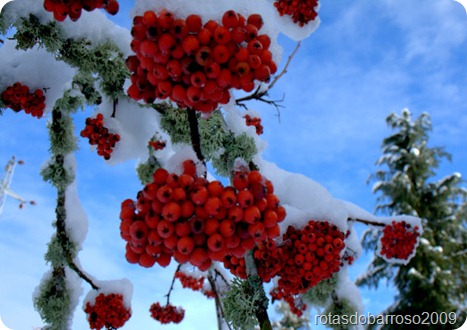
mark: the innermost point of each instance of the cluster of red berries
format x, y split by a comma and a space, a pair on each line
398, 240
197, 221
157, 145
268, 256
256, 122
195, 65
301, 11
63, 8
312, 253
303, 259
99, 135
108, 311
17, 97
195, 284
167, 314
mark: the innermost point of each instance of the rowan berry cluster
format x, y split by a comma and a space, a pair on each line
193, 220
398, 240
157, 145
195, 64
167, 314
63, 8
17, 97
108, 311
303, 259
195, 284
313, 254
301, 11
256, 122
99, 135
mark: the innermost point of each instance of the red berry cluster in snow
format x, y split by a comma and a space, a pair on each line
17, 97
157, 145
268, 257
303, 259
301, 11
195, 64
63, 8
99, 135
195, 284
108, 311
398, 240
167, 314
256, 122
313, 254
193, 220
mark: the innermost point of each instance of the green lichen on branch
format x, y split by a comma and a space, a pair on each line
103, 60
62, 142
240, 146
86, 84
240, 305
337, 311
53, 301
146, 170
29, 32
59, 251
61, 129
218, 143
320, 294
57, 174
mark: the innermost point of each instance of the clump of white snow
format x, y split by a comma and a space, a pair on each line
37, 69
76, 219
136, 125
122, 286
303, 198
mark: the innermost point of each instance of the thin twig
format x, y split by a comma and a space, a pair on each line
259, 95
194, 134
80, 273
219, 309
115, 102
284, 71
368, 222
218, 273
172, 284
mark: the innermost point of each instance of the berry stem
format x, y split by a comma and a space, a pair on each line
259, 94
172, 284
194, 133
368, 222
115, 103
80, 273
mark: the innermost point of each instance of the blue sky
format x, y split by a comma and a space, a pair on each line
366, 60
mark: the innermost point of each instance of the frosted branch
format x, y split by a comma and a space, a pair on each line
255, 284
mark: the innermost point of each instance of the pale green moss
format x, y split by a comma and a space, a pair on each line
53, 301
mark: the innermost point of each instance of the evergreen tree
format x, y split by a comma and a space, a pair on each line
434, 280
289, 320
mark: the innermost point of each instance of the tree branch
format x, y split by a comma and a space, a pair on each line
194, 134
172, 284
368, 222
255, 283
219, 309
115, 102
259, 94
